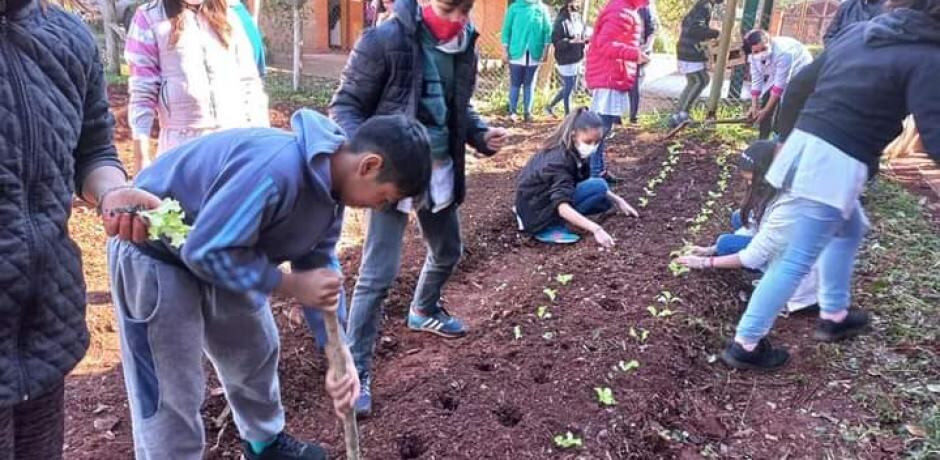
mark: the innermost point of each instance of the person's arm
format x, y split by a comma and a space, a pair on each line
757, 85
622, 204
485, 140
143, 59
573, 217
321, 259
709, 262
794, 98
696, 24
99, 176
506, 34
923, 100
606, 41
362, 84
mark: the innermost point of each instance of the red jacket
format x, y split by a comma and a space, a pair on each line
615, 46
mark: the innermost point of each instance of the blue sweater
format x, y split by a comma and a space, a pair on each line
255, 198
871, 77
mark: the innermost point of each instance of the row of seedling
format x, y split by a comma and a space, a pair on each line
667, 167
708, 209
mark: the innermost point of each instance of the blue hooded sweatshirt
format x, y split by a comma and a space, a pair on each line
255, 198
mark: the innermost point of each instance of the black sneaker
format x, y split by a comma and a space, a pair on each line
855, 323
764, 357
285, 447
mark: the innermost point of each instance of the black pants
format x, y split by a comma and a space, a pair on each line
34, 430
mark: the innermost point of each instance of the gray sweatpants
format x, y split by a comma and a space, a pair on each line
167, 318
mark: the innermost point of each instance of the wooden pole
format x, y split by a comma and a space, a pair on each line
298, 43
110, 36
724, 43
337, 360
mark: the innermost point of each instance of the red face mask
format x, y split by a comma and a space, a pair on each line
442, 29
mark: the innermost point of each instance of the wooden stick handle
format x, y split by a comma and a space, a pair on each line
337, 361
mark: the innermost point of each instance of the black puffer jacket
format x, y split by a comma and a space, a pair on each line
567, 52
548, 180
55, 128
384, 75
695, 31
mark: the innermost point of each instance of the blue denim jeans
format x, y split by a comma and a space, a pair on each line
729, 243
598, 163
590, 196
522, 77
564, 95
820, 233
381, 260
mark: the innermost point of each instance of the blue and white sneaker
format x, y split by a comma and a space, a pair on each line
440, 323
363, 406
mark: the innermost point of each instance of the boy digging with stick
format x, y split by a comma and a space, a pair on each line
255, 198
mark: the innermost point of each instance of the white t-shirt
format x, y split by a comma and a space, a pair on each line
772, 70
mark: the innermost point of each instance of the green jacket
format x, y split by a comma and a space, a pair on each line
527, 27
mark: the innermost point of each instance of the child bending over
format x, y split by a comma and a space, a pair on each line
757, 241
556, 187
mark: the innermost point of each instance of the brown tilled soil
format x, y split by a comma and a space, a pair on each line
518, 380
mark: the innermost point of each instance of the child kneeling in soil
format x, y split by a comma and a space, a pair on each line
255, 198
556, 186
757, 241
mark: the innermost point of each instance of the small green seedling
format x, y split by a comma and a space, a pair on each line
677, 269
629, 366
643, 201
715, 195
567, 441
605, 396
543, 313
167, 221
517, 333
649, 192
548, 335
640, 336
564, 279
551, 293
665, 313
667, 298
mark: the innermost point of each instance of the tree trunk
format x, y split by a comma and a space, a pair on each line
112, 53
298, 43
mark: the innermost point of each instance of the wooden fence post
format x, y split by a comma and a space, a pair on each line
724, 43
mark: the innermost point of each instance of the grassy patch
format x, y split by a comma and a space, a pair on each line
899, 270
314, 91
116, 79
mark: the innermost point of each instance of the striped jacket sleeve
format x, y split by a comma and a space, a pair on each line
143, 57
221, 248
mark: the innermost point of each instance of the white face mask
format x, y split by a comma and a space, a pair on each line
585, 150
194, 2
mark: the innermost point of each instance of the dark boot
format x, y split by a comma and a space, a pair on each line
855, 323
285, 447
764, 357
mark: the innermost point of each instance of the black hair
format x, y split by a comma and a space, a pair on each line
581, 119
462, 5
754, 37
757, 159
405, 149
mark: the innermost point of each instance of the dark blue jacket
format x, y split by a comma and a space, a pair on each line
850, 12
871, 77
695, 32
55, 129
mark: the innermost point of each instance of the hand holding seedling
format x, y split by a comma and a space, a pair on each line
117, 221
316, 288
695, 262
703, 251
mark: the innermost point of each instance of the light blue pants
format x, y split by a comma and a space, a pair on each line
168, 318
381, 260
820, 233
522, 78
